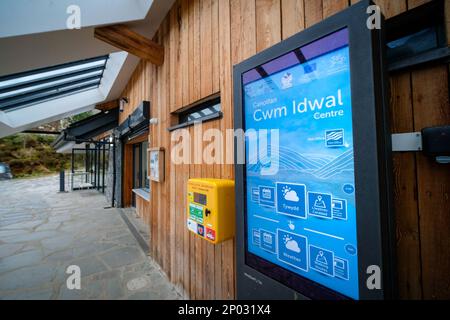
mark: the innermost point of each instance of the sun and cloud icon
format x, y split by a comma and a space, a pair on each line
289, 194
291, 244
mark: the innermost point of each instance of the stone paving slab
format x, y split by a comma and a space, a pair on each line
42, 232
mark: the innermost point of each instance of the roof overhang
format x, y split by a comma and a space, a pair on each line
136, 124
33, 35
34, 115
86, 130
24, 17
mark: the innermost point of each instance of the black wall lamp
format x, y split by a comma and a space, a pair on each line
122, 102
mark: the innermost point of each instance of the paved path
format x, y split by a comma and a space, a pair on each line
42, 232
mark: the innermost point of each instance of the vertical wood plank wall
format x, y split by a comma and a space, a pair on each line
203, 39
143, 209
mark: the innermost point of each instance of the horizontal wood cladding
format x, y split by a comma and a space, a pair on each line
203, 39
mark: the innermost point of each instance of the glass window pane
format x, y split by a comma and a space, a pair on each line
207, 111
198, 113
40, 97
136, 168
49, 74
146, 181
49, 84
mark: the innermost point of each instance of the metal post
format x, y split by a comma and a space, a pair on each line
62, 181
99, 146
103, 167
72, 170
95, 166
72, 162
114, 172
86, 162
91, 166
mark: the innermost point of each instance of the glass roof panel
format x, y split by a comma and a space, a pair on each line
50, 83
42, 84
50, 74
44, 93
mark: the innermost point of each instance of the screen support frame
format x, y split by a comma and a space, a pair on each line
372, 153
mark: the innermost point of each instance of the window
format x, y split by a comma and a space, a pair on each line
140, 175
144, 177
32, 87
199, 112
417, 36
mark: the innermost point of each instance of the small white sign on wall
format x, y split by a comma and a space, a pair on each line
156, 164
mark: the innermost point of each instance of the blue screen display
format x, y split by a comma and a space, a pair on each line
300, 201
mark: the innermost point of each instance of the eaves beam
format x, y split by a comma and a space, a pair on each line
105, 106
122, 37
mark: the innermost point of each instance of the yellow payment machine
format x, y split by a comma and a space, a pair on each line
210, 209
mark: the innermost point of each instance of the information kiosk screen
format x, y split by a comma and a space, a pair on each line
299, 173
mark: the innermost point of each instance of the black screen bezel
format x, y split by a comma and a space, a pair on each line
375, 229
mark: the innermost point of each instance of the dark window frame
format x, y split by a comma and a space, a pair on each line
422, 26
184, 116
142, 183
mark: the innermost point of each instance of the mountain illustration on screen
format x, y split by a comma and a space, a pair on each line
320, 166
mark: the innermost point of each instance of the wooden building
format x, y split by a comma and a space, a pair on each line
201, 41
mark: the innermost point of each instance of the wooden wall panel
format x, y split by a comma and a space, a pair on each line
415, 3
313, 12
243, 25
153, 131
331, 7
431, 108
175, 86
268, 23
203, 39
143, 209
194, 41
292, 17
409, 272
225, 276
215, 45
164, 142
405, 192
206, 70
392, 8
182, 70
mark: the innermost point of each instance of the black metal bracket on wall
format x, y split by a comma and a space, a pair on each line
434, 142
417, 37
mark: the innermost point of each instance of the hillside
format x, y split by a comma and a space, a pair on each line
31, 155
